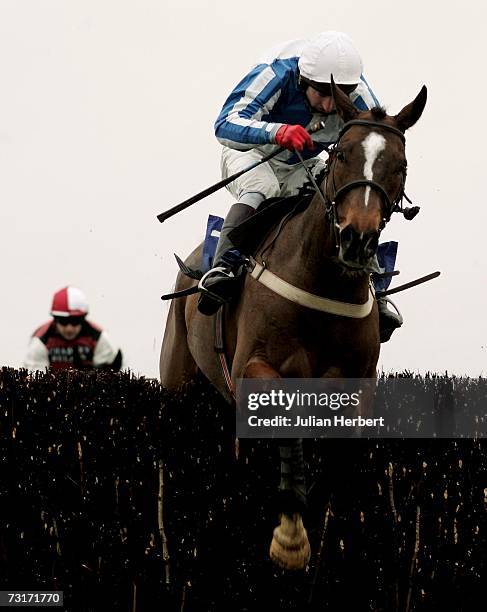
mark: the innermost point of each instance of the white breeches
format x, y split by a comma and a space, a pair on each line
272, 179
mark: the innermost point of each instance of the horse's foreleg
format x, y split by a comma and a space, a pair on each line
290, 547
293, 486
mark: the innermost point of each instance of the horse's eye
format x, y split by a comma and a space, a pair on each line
341, 156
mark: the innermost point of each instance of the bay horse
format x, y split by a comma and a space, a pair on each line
324, 254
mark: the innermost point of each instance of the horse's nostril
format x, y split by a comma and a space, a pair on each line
347, 234
368, 253
358, 248
371, 244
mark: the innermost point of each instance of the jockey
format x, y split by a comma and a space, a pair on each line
68, 340
286, 93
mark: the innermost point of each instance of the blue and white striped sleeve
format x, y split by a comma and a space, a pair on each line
239, 123
363, 97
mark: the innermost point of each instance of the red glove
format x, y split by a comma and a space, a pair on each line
294, 137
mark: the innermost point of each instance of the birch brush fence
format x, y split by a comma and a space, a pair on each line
129, 498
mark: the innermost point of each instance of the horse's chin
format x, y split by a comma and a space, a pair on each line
356, 271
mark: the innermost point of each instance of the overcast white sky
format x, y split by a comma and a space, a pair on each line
106, 119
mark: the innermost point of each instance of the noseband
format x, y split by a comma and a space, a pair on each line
391, 205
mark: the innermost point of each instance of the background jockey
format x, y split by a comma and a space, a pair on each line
68, 340
286, 93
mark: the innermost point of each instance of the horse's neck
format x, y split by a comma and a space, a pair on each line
303, 254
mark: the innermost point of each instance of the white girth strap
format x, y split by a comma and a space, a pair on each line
299, 296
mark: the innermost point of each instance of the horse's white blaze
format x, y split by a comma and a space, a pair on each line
373, 145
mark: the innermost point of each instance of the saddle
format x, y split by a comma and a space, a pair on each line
249, 235
246, 238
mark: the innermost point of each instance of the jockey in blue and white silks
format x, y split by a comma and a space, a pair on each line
274, 105
269, 96
273, 94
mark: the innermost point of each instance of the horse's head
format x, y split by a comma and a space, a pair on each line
366, 175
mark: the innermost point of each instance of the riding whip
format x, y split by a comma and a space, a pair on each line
413, 283
209, 190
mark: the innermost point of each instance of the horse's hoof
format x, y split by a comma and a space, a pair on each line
290, 546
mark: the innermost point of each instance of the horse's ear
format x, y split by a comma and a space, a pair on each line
412, 112
343, 104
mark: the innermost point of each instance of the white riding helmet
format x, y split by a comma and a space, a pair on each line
331, 53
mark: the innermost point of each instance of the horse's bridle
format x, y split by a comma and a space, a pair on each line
330, 201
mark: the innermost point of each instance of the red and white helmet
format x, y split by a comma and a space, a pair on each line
69, 302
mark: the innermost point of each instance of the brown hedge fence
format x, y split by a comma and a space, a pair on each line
84, 457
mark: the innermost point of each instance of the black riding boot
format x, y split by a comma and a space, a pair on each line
388, 320
218, 284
